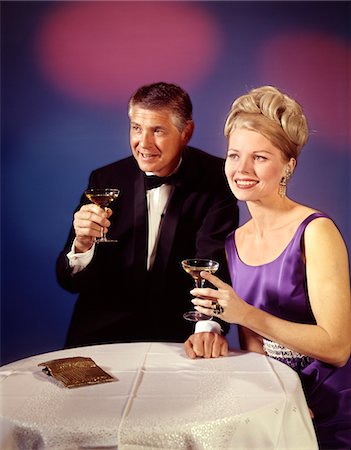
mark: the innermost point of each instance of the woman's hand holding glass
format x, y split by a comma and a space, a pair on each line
233, 308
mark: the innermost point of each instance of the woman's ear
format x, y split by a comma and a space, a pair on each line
290, 167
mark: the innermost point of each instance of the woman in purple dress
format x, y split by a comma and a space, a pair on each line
290, 291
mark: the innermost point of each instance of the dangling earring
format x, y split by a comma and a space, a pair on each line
283, 183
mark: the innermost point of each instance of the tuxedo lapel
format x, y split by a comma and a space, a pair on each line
186, 176
173, 214
168, 229
140, 224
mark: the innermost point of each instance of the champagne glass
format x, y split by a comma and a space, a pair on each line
103, 198
193, 267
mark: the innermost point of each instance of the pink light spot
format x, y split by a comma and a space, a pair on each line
102, 52
315, 69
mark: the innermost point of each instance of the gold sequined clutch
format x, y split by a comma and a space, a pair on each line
76, 371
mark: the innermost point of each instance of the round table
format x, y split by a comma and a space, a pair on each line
162, 400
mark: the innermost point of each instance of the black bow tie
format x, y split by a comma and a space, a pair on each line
152, 181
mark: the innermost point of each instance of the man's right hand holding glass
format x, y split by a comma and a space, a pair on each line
89, 223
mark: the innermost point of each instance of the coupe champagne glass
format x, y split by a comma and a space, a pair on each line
103, 198
193, 267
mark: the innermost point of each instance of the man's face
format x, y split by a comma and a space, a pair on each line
155, 140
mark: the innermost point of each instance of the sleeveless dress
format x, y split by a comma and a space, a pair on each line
279, 288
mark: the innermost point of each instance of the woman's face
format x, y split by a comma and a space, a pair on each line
254, 167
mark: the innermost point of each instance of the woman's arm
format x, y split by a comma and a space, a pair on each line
250, 341
329, 291
328, 284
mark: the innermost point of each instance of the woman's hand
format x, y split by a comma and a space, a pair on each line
234, 309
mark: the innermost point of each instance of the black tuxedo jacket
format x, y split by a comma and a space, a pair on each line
119, 300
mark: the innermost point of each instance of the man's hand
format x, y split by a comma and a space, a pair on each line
89, 223
206, 345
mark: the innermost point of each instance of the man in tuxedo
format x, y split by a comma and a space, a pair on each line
136, 289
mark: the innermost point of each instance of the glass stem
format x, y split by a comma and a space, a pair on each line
103, 238
199, 282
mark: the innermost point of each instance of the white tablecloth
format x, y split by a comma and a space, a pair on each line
163, 400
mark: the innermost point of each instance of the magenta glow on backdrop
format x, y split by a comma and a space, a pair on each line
317, 67
101, 52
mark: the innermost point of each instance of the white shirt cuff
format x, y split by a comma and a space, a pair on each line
79, 261
208, 326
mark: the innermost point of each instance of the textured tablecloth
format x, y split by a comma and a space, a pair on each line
163, 400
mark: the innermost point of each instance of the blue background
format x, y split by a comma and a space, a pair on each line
51, 140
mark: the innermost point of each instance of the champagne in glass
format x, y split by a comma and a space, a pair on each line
193, 267
103, 198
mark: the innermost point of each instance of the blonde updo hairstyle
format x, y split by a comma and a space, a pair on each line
268, 111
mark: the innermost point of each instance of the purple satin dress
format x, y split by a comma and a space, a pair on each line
279, 287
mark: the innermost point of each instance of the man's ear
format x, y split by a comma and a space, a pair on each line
188, 131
